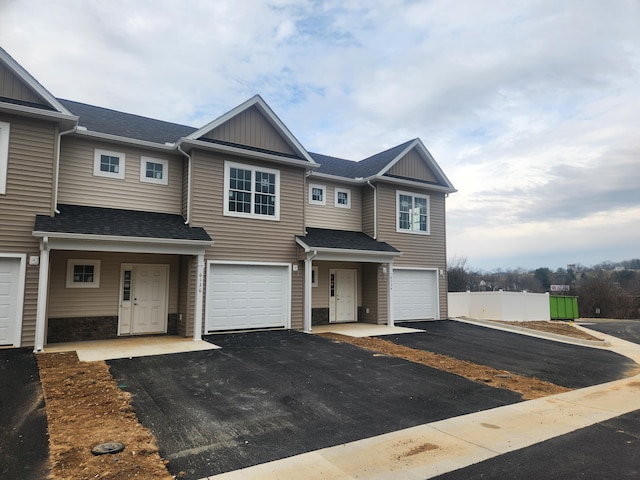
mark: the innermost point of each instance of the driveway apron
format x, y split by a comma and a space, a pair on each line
571, 366
270, 395
24, 445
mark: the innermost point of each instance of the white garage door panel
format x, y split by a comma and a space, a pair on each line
414, 295
9, 299
247, 296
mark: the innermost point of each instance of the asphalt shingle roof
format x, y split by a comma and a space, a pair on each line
342, 239
121, 223
104, 120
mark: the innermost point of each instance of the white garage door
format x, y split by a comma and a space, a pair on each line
10, 300
415, 295
247, 296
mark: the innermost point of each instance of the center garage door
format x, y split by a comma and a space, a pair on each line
414, 294
241, 296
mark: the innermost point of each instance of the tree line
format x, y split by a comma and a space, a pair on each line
606, 290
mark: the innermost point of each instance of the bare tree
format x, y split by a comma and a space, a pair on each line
457, 276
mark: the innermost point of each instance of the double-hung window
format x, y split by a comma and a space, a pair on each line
343, 198
317, 194
251, 191
412, 213
108, 164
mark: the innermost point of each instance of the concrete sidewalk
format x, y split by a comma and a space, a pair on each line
432, 449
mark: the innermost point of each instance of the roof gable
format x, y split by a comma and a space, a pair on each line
253, 124
413, 165
19, 87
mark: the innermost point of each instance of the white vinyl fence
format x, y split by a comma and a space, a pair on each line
510, 306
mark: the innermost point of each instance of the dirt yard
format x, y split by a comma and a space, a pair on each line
85, 407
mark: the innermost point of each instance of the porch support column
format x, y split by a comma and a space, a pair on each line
197, 314
43, 293
308, 269
390, 321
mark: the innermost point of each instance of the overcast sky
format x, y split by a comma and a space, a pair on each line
532, 108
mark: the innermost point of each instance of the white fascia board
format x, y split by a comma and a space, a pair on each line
247, 153
271, 117
348, 255
23, 110
337, 178
131, 141
32, 82
411, 183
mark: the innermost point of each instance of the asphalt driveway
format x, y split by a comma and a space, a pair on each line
270, 395
625, 329
571, 366
24, 445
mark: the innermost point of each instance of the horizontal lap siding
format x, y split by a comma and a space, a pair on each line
105, 300
368, 207
78, 185
29, 193
250, 239
424, 251
330, 216
320, 294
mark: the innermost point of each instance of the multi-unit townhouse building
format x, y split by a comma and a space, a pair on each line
113, 224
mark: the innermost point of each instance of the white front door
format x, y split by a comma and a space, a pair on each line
144, 297
10, 300
343, 305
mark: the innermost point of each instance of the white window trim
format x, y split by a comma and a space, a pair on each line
83, 261
414, 195
96, 164
314, 278
165, 170
324, 194
4, 156
227, 172
343, 190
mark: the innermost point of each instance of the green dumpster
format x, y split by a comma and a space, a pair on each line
563, 307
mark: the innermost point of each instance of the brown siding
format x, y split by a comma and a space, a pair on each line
417, 250
103, 301
78, 185
12, 87
249, 239
252, 129
320, 294
29, 192
413, 166
330, 216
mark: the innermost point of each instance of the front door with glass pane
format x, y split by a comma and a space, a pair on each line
343, 296
143, 299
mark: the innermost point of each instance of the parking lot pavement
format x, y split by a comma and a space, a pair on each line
571, 366
628, 330
605, 451
24, 445
270, 395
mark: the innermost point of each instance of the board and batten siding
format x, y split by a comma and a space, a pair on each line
328, 215
79, 186
29, 193
105, 300
413, 166
252, 129
11, 86
420, 251
250, 239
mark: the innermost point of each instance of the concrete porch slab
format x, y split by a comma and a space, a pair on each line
95, 350
362, 329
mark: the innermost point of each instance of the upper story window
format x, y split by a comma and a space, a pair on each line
343, 198
251, 191
83, 273
4, 156
108, 164
412, 213
317, 194
154, 170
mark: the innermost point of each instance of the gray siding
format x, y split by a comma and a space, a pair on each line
417, 250
78, 185
330, 216
12, 87
105, 300
252, 129
413, 166
29, 192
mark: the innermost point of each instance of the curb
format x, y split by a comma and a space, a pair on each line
534, 333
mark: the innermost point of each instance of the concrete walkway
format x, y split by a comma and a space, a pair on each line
429, 450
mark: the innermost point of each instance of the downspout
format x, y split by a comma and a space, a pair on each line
375, 210
55, 192
188, 219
